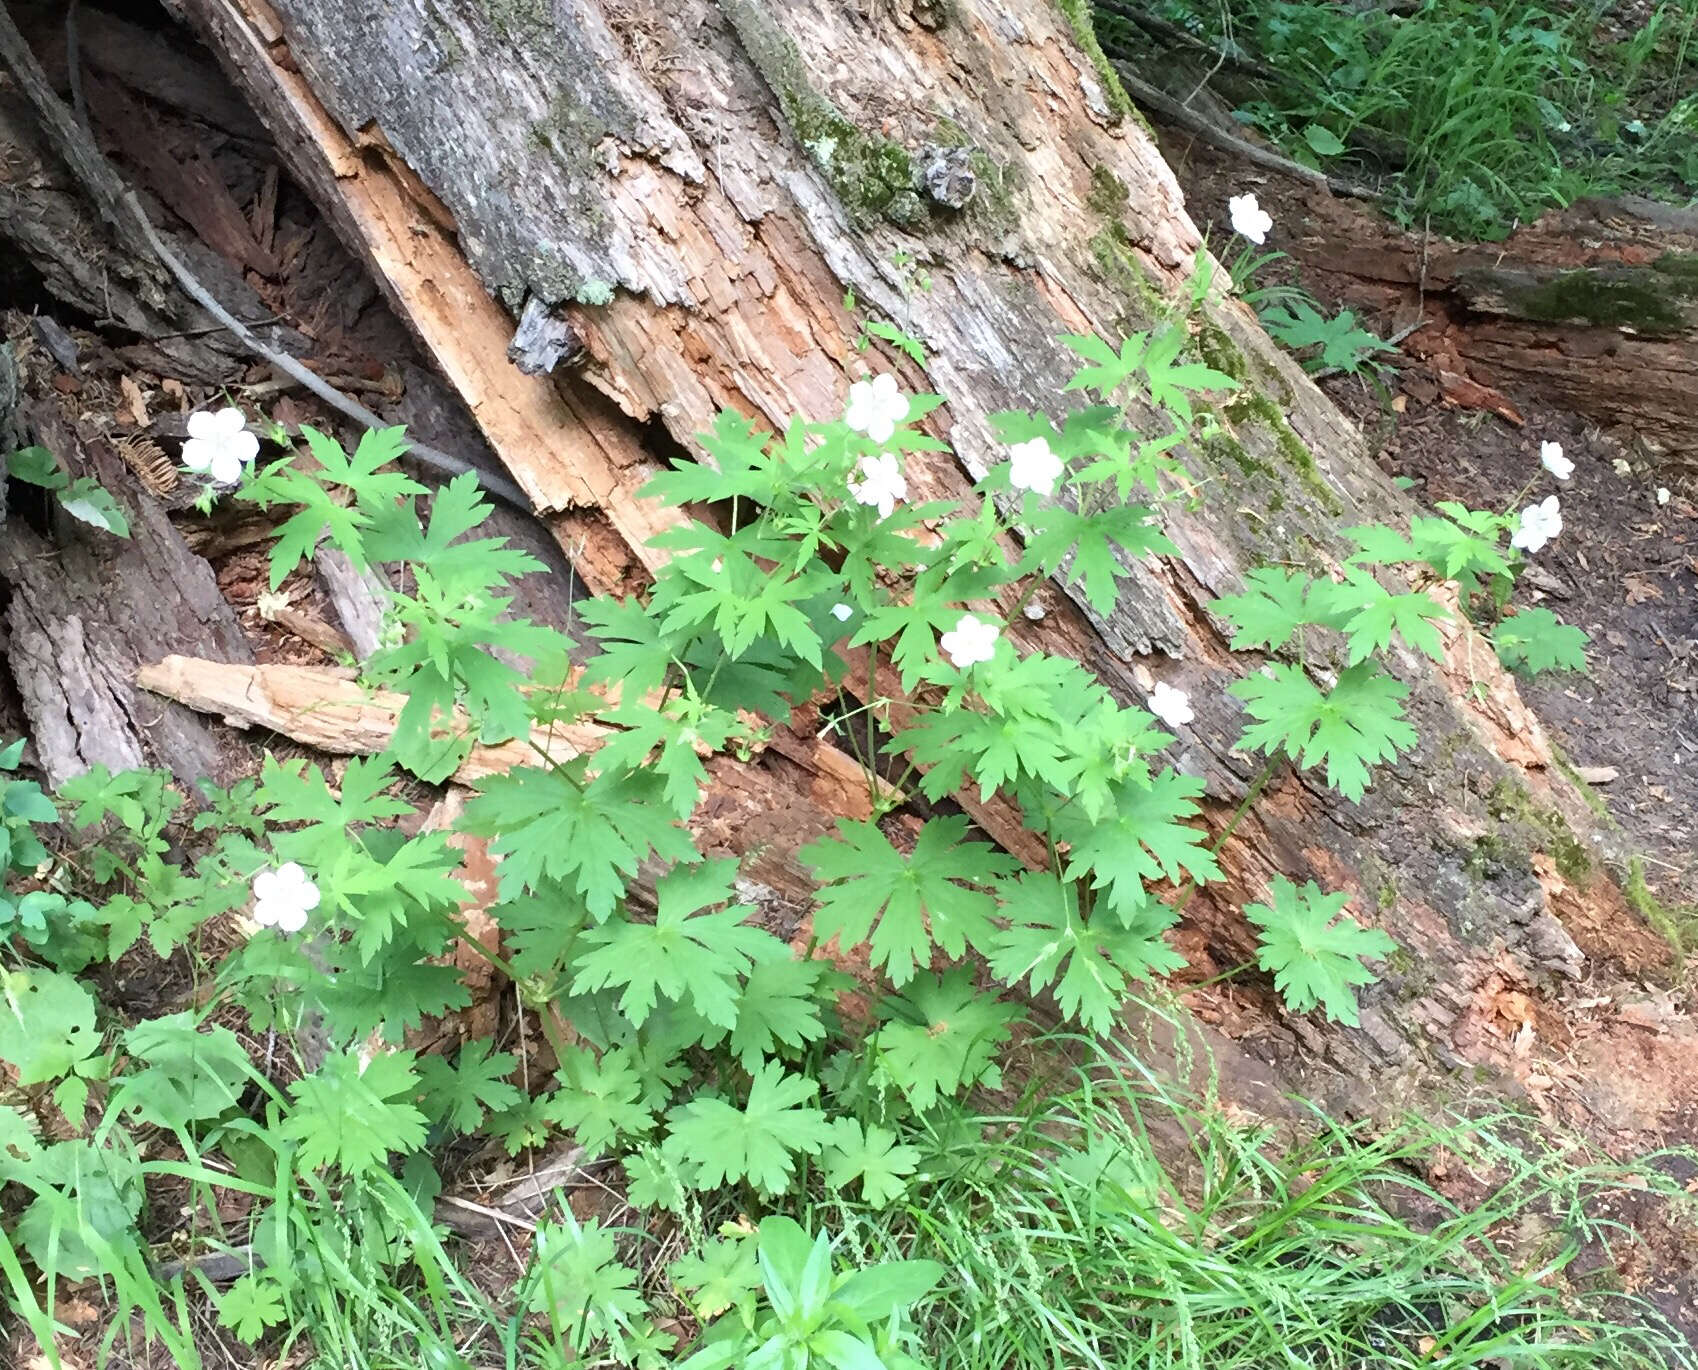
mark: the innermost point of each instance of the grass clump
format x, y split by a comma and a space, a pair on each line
1120, 1223
1470, 116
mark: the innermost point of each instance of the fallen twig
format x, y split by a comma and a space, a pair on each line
1211, 133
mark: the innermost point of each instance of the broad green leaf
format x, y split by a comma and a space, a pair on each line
907, 904
1314, 953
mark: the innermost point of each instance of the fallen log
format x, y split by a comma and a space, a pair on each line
1593, 309
658, 178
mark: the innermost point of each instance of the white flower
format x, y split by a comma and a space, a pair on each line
1032, 466
1552, 459
1249, 218
970, 641
876, 407
842, 612
220, 445
1172, 706
1539, 524
284, 897
881, 483
1663, 494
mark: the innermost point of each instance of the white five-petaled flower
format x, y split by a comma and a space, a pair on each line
842, 612
879, 481
1552, 459
1663, 496
284, 897
1032, 466
876, 407
219, 445
1249, 218
970, 641
1172, 706
1539, 524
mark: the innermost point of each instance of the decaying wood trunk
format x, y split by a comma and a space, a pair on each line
1593, 309
681, 195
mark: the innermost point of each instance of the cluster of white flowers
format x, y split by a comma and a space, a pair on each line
284, 897
1249, 219
219, 446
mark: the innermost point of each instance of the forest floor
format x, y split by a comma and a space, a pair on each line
1625, 567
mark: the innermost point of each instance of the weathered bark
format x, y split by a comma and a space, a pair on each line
84, 609
690, 189
1593, 310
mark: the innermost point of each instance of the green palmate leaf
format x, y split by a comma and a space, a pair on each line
1360, 722
1342, 344
728, 585
250, 1306
354, 1118
1108, 368
870, 1155
721, 1274
1463, 545
578, 1283
779, 1007
916, 901
943, 1035
1101, 745
589, 837
653, 1181
672, 735
686, 955
740, 469
933, 608
1537, 640
635, 651
395, 992
1089, 964
717, 1143
600, 1101
1277, 603
1315, 955
1096, 541
1142, 838
994, 749
462, 1094
1377, 614
1171, 382
321, 513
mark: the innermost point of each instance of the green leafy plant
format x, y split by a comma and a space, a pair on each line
84, 499
816, 1315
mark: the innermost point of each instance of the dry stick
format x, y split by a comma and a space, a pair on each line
118, 203
1188, 118
1157, 27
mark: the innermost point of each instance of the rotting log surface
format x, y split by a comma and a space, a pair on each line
641, 167
1593, 309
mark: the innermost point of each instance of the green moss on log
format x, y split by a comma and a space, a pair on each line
871, 175
1547, 830
1653, 299
1078, 16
